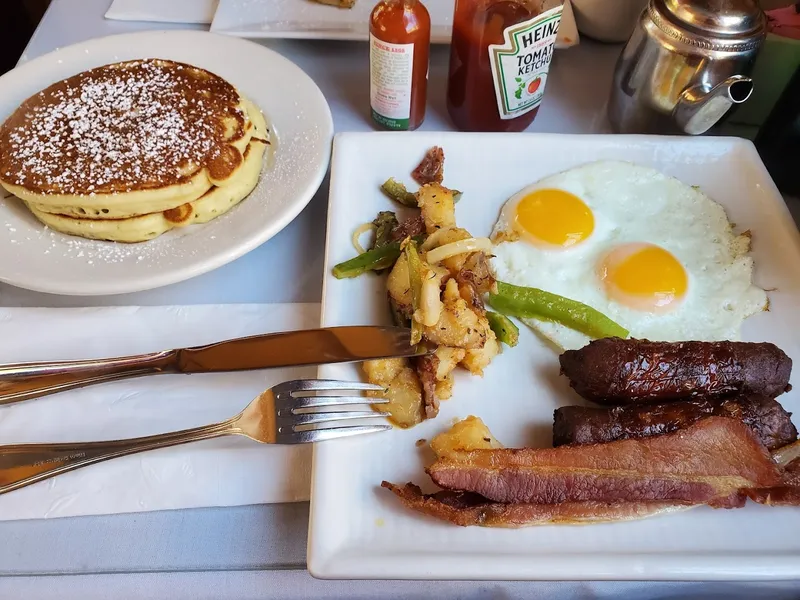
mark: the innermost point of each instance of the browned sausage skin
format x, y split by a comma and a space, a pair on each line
613, 371
595, 425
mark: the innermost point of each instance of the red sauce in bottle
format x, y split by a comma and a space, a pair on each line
499, 57
400, 37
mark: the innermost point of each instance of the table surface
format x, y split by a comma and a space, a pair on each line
259, 551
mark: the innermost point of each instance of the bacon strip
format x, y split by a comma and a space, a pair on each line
707, 463
785, 494
467, 509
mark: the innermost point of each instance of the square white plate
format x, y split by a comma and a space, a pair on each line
306, 19
361, 531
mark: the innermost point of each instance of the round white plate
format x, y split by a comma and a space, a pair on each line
40, 259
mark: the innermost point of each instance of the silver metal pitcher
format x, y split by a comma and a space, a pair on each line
685, 65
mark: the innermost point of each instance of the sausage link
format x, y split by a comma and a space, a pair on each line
594, 425
613, 371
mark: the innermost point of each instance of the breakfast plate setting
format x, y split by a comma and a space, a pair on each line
536, 357
617, 218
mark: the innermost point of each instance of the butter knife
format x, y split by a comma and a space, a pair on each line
25, 381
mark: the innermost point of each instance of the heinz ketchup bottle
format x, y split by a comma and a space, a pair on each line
399, 43
499, 60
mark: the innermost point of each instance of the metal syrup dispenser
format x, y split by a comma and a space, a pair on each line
686, 65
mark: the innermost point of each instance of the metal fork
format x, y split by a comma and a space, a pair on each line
281, 415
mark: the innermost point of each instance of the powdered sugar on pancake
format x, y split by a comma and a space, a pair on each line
127, 126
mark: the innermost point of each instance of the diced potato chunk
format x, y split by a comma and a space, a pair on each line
458, 326
438, 207
466, 435
405, 399
448, 360
477, 360
383, 371
398, 286
444, 388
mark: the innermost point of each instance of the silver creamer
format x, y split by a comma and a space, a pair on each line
685, 65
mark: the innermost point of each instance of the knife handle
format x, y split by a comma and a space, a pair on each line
25, 381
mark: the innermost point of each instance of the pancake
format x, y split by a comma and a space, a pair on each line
123, 209
215, 202
137, 136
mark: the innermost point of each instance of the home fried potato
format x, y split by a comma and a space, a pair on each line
444, 388
399, 286
468, 434
448, 360
404, 393
437, 206
458, 326
442, 299
383, 371
478, 359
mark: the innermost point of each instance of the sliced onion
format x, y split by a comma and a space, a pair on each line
433, 239
360, 230
431, 306
460, 247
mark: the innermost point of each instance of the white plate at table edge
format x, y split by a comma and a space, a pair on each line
356, 531
296, 110
353, 31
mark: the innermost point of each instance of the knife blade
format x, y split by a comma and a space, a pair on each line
299, 348
25, 381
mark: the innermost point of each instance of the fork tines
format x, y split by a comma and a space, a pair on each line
293, 400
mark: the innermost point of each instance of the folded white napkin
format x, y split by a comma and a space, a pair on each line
163, 11
223, 472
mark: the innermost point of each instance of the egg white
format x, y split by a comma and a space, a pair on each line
632, 203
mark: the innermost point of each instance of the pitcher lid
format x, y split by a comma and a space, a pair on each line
740, 19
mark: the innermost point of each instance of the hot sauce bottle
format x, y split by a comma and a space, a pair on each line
399, 43
499, 60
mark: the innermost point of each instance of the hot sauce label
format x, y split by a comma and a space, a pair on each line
520, 64
391, 67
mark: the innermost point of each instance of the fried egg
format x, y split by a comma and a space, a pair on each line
657, 256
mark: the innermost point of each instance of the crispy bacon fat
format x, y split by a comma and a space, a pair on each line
708, 463
466, 509
788, 492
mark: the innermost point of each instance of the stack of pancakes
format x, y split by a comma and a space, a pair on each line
128, 151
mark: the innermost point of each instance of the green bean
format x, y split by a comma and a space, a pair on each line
372, 260
384, 223
398, 192
503, 328
535, 303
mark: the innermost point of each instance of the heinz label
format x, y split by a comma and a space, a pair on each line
520, 64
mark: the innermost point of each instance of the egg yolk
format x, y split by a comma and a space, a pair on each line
554, 217
644, 277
